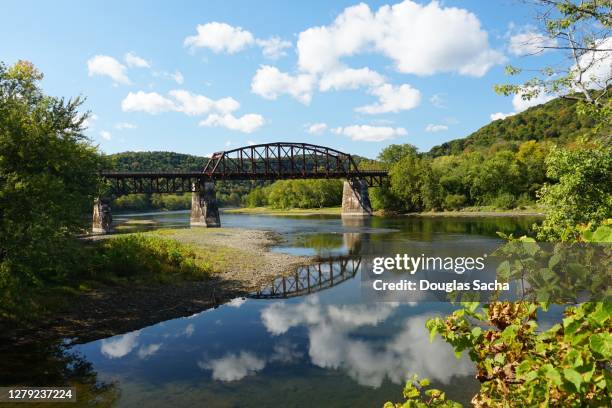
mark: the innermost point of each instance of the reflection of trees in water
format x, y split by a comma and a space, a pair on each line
322, 274
319, 241
53, 365
425, 227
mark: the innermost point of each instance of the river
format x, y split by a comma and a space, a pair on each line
316, 348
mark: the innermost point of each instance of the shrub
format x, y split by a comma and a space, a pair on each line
454, 201
134, 255
504, 201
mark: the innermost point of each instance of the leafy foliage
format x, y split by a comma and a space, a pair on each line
47, 178
417, 396
501, 176
519, 365
285, 194
582, 189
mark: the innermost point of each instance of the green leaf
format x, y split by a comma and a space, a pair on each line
602, 234
573, 376
476, 331
552, 374
554, 260
601, 344
503, 270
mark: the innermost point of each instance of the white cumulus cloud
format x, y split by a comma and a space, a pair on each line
106, 135
125, 125
220, 37
438, 101
529, 42
316, 128
348, 78
435, 128
133, 60
179, 100
598, 64
370, 133
392, 99
520, 104
108, 66
89, 121
178, 77
269, 83
273, 47
500, 115
149, 102
420, 39
247, 123
194, 104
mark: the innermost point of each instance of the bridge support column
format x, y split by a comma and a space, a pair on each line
102, 216
355, 199
204, 209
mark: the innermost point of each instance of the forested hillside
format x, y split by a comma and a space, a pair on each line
141, 161
556, 120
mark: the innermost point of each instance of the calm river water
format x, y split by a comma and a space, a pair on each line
326, 348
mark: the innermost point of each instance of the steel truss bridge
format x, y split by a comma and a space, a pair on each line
270, 161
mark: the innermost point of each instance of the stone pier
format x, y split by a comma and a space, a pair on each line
102, 216
355, 199
204, 209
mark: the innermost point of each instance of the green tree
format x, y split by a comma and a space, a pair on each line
582, 189
407, 181
394, 153
47, 177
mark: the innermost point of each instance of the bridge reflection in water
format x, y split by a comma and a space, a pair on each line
320, 275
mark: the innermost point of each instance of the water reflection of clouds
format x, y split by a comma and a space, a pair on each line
147, 351
233, 367
121, 346
236, 302
333, 346
286, 352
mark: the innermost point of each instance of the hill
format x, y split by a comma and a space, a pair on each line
162, 161
555, 120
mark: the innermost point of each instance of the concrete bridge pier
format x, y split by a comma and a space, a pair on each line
355, 199
102, 216
204, 208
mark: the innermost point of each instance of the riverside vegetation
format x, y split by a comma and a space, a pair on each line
517, 362
47, 185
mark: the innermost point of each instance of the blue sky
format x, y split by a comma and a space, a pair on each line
343, 74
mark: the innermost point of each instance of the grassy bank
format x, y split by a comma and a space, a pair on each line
484, 211
124, 282
289, 211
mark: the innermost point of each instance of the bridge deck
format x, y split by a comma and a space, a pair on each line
132, 182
